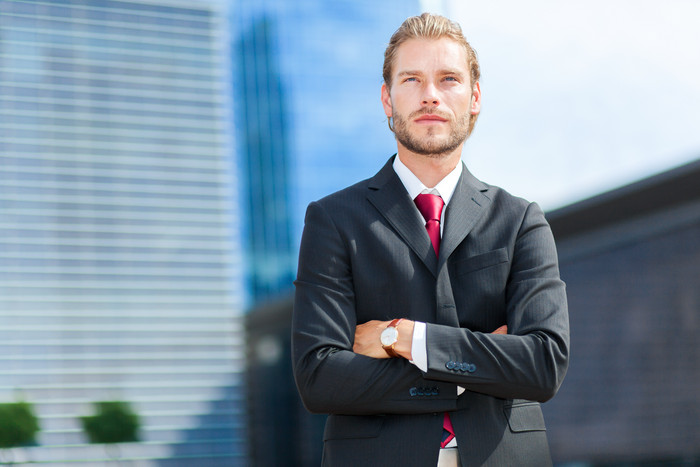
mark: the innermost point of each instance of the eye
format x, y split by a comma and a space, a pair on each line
451, 78
410, 79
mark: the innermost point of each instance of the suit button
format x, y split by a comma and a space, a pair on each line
436, 391
413, 392
472, 368
464, 366
450, 365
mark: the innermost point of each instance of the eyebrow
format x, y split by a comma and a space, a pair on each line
409, 73
447, 71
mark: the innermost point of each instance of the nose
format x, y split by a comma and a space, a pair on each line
430, 95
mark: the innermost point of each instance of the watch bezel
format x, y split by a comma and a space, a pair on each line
389, 336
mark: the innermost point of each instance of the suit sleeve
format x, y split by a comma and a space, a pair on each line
330, 377
531, 361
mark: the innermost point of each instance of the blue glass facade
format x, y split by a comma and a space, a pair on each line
119, 258
309, 77
264, 144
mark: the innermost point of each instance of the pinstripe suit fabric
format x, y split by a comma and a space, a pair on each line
365, 255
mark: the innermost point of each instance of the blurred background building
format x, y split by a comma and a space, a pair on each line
631, 261
120, 269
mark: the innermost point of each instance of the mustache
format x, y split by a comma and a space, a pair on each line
428, 110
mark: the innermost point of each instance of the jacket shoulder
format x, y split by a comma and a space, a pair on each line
354, 191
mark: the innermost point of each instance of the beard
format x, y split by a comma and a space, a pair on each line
431, 145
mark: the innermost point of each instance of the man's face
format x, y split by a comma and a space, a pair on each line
431, 98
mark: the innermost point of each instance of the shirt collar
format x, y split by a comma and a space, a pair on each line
445, 188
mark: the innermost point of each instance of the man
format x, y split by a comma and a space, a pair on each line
396, 307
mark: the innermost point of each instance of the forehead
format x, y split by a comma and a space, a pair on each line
430, 55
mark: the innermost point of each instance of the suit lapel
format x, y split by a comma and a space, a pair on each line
391, 199
468, 204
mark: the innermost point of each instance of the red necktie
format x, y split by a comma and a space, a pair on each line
430, 206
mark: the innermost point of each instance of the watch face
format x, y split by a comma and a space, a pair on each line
389, 336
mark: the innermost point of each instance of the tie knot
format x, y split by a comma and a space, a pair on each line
430, 206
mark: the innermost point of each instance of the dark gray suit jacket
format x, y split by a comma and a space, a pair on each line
365, 254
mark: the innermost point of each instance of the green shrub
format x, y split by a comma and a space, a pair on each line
114, 422
18, 424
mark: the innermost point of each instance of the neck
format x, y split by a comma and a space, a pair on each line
431, 169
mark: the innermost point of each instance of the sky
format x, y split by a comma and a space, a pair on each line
581, 97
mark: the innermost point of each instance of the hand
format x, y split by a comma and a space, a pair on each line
367, 339
502, 330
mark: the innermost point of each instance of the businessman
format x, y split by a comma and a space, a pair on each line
429, 317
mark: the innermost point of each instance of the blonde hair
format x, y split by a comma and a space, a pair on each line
429, 26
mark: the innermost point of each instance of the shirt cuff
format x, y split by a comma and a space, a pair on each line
419, 352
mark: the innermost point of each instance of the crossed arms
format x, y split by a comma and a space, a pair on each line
367, 338
337, 364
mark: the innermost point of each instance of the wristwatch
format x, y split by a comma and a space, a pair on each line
389, 337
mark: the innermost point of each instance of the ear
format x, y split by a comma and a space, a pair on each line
476, 99
386, 101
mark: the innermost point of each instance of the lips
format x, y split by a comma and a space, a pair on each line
430, 118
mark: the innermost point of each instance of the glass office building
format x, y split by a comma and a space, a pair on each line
308, 118
263, 133
119, 256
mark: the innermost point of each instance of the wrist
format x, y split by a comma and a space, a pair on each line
405, 342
